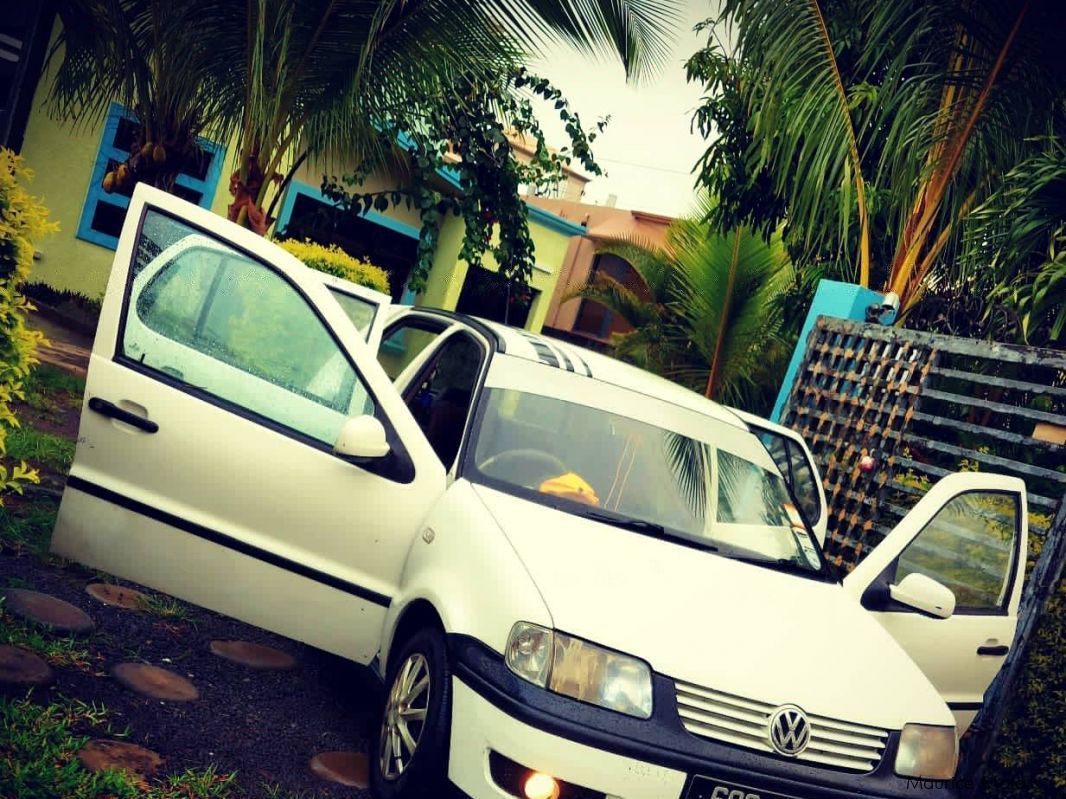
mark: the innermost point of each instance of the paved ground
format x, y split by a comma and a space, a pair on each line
67, 349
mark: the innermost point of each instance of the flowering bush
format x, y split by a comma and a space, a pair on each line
23, 220
334, 261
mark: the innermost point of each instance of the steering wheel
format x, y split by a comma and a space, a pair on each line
523, 462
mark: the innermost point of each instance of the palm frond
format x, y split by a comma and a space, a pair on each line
620, 299
727, 291
650, 262
688, 460
640, 32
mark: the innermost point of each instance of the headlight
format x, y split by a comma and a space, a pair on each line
580, 670
925, 751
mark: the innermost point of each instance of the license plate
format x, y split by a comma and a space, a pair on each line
714, 788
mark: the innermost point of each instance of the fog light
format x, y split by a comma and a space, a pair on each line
540, 786
521, 782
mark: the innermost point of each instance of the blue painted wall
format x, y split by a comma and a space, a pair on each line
831, 298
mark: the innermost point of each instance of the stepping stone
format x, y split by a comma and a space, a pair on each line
256, 656
117, 596
48, 611
99, 754
22, 668
346, 768
154, 682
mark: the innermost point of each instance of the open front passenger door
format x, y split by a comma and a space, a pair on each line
947, 581
240, 447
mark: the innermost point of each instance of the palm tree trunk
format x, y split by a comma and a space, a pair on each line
723, 320
931, 194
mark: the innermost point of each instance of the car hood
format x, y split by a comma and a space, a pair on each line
715, 622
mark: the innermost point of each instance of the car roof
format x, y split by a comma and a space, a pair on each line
514, 342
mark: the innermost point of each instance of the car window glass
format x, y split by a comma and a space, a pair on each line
796, 469
359, 310
221, 322
580, 458
749, 494
403, 344
441, 400
804, 483
777, 446
969, 547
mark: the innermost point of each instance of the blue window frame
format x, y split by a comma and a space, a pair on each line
103, 214
297, 189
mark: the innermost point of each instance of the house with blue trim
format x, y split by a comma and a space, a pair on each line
70, 164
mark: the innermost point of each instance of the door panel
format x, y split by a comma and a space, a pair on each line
221, 374
969, 533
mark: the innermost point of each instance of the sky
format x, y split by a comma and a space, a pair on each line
648, 149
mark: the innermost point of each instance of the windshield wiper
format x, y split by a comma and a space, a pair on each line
647, 528
780, 564
636, 525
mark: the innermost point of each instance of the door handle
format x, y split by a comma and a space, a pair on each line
996, 651
106, 408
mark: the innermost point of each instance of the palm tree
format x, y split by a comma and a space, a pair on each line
1019, 236
289, 80
152, 57
881, 125
707, 312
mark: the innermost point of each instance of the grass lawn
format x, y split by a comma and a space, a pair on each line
47, 450
39, 746
26, 524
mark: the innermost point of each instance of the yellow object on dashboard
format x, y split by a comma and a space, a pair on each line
571, 486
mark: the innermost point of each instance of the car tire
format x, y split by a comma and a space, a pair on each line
424, 771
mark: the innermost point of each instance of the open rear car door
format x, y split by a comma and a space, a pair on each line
240, 447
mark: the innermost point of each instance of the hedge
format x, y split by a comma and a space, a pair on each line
23, 220
334, 261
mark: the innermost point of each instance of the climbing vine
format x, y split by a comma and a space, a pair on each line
467, 144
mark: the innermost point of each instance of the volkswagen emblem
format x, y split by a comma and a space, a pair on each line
790, 732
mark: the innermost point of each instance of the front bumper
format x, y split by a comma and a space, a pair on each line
622, 756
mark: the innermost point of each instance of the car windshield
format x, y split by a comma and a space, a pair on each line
641, 477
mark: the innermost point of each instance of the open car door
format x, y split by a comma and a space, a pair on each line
947, 581
240, 447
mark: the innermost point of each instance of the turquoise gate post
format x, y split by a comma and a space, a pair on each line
831, 298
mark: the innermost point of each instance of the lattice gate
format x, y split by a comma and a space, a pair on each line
918, 406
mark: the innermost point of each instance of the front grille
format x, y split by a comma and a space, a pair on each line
746, 722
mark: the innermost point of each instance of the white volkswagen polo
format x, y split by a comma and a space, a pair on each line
576, 580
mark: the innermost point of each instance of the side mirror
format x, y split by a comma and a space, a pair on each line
362, 438
925, 594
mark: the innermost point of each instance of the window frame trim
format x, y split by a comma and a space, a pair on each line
107, 151
398, 468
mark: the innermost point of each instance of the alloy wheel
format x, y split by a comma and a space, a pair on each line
404, 717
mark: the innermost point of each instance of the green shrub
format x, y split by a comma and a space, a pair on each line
334, 261
23, 220
1029, 758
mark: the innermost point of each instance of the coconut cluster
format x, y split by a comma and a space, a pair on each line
122, 175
